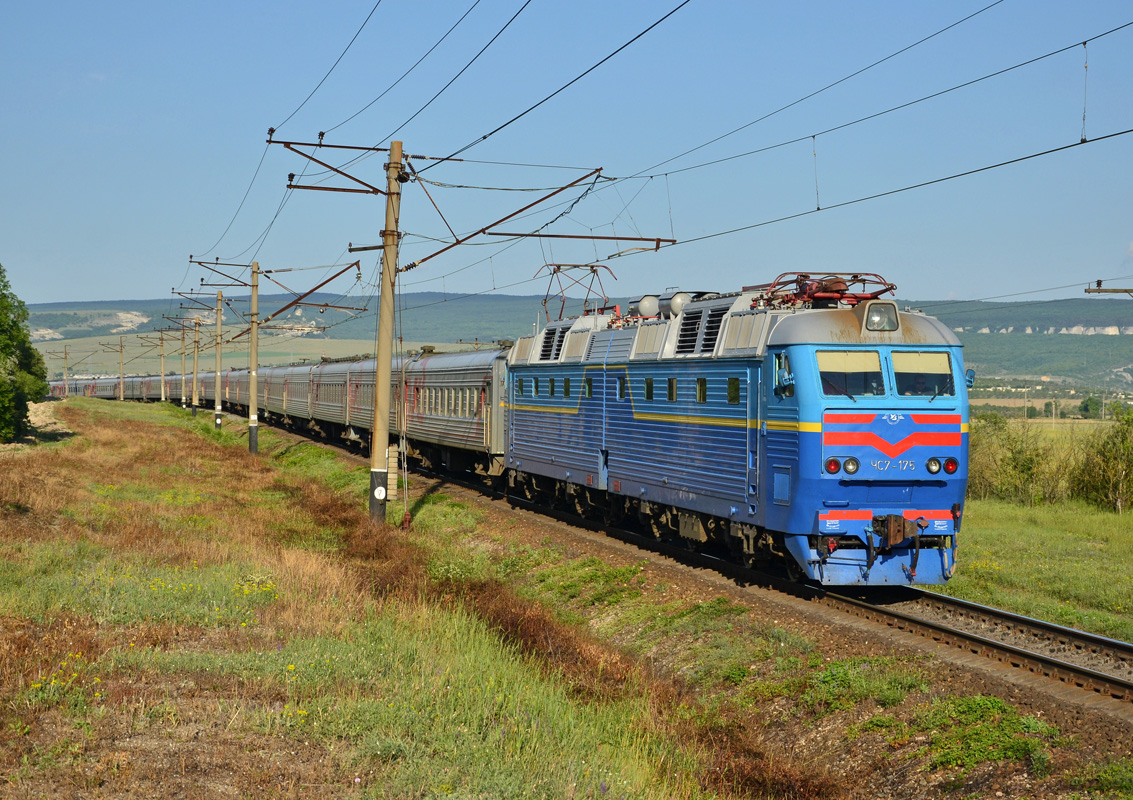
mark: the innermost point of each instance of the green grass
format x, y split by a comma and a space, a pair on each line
45, 581
844, 684
963, 732
1068, 565
430, 697
1113, 779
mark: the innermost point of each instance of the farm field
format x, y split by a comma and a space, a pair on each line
183, 619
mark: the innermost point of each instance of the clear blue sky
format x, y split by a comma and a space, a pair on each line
132, 130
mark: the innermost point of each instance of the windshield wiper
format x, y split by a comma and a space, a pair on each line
838, 390
940, 390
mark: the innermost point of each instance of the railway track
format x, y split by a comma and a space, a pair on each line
1076, 658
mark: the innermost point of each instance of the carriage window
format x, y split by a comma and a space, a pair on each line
649, 389
621, 388
850, 372
926, 373
589, 387
672, 390
566, 387
733, 391
702, 390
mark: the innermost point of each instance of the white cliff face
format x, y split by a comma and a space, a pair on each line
129, 321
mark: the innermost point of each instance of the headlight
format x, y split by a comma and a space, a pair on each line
851, 466
933, 465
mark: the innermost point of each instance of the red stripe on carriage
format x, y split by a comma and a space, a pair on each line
869, 439
843, 514
937, 419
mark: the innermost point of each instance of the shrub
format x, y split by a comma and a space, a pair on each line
1010, 460
1104, 476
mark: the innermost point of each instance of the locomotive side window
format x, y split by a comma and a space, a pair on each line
850, 372
589, 387
519, 386
534, 387
566, 387
672, 390
702, 390
784, 381
649, 389
733, 391
621, 388
924, 373
551, 387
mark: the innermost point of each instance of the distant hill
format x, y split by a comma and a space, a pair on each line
1088, 341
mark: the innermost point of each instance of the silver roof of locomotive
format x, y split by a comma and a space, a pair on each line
721, 326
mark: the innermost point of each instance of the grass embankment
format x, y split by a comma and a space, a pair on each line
1066, 564
179, 617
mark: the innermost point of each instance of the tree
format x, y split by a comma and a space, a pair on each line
23, 377
1091, 407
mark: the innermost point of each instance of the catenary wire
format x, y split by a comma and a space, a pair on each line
238, 208
879, 195
335, 64
406, 73
882, 113
823, 89
562, 88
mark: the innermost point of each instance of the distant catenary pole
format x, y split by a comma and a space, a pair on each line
253, 362
196, 355
216, 390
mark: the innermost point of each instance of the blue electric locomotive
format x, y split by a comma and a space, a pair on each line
801, 420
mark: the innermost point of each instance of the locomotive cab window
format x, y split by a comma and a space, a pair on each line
923, 373
784, 380
850, 373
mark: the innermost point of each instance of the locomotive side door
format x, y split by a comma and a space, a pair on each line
778, 439
754, 406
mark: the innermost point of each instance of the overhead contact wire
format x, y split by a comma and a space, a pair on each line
406, 73
335, 64
565, 86
823, 89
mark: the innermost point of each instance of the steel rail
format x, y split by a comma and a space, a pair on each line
1038, 663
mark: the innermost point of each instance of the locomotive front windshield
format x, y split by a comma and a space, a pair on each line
923, 373
850, 373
